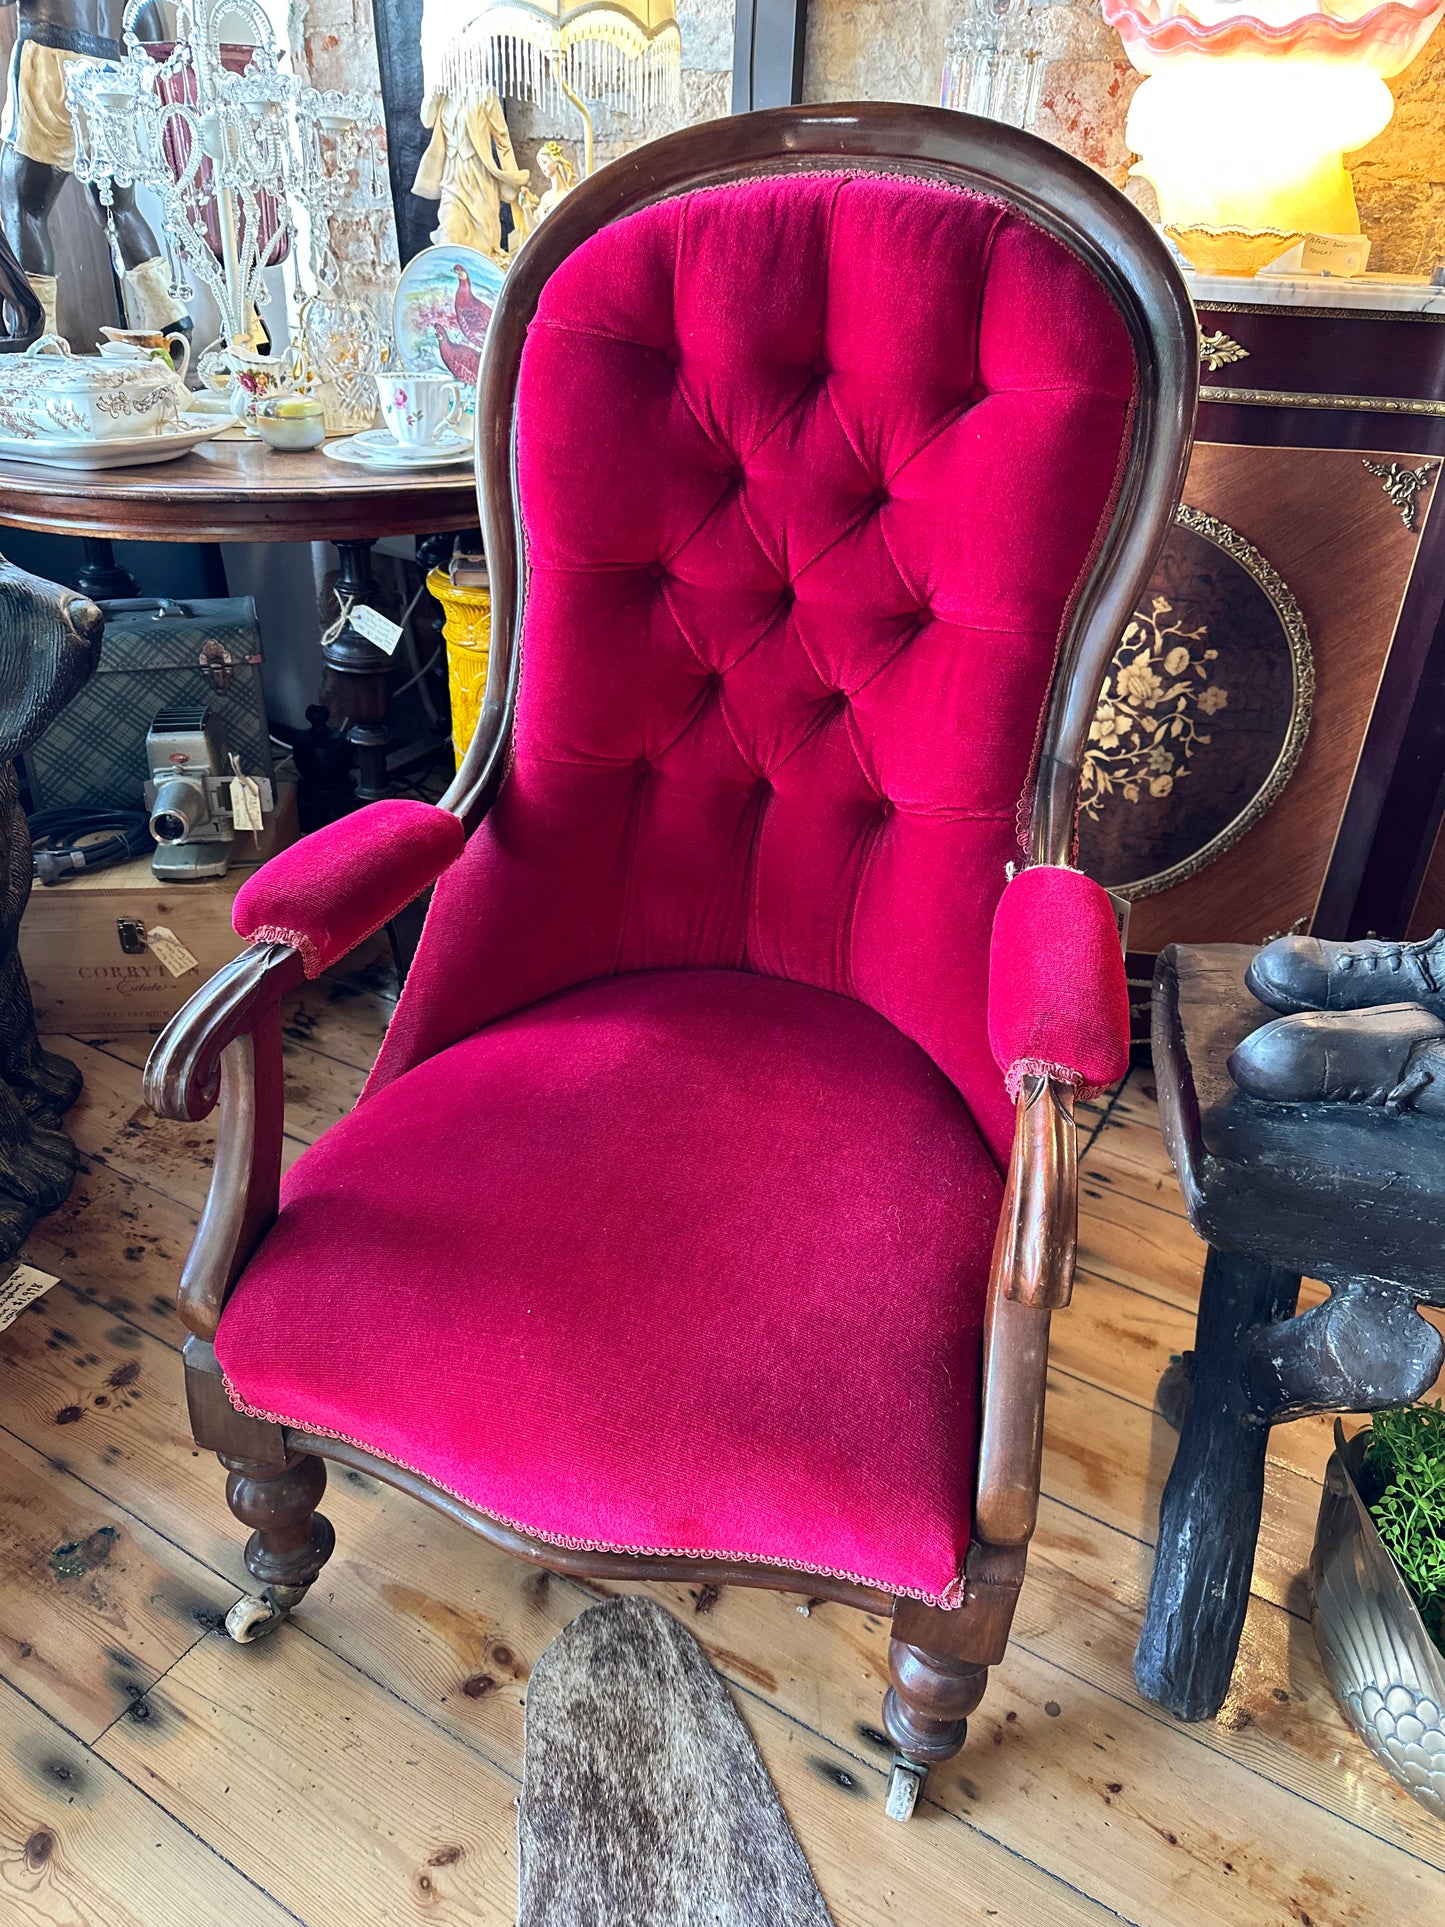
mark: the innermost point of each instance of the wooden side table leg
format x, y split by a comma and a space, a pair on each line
1209, 1516
360, 671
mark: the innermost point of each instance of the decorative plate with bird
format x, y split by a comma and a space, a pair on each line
443, 304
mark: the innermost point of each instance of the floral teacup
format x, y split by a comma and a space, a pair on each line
420, 410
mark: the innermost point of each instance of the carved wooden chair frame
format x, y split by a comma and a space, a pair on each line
226, 1044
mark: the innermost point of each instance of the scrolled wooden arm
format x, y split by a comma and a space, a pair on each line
1032, 1276
183, 1072
225, 1046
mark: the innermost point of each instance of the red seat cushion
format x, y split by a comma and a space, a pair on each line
683, 1261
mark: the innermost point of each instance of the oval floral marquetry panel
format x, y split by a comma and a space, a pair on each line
1203, 715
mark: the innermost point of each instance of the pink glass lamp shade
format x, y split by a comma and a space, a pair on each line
1245, 118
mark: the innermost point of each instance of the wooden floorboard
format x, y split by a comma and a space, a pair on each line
360, 1768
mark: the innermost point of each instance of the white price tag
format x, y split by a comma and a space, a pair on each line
246, 803
167, 947
24, 1285
376, 627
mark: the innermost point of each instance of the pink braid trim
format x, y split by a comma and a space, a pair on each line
277, 933
1023, 1067
949, 1600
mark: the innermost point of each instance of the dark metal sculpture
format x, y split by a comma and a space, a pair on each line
22, 319
1350, 1193
49, 644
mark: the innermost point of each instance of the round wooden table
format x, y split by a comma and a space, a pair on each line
243, 491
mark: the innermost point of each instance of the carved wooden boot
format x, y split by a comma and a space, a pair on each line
290, 1541
926, 1714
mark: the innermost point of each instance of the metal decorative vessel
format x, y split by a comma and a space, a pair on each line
1385, 1670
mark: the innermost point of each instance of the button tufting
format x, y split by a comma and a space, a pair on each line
737, 474
821, 369
656, 571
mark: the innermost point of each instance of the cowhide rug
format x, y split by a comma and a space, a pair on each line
644, 1802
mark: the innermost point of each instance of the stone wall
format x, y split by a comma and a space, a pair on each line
894, 50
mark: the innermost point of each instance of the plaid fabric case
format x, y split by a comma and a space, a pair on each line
154, 654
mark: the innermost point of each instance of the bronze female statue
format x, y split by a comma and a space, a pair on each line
37, 151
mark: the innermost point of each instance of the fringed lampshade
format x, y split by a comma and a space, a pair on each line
626, 52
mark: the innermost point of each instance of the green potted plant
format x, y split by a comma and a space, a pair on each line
1377, 1592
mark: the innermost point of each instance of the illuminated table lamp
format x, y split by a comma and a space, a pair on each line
1244, 119
626, 52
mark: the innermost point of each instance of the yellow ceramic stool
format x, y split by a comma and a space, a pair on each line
467, 627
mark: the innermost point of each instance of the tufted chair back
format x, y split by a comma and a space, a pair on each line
810, 469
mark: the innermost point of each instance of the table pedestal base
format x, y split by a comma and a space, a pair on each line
359, 672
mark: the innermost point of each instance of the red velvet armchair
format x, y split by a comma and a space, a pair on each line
727, 1111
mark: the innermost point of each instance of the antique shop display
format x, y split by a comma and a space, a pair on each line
239, 491
1384, 1664
441, 312
159, 655
121, 409
1349, 1193
1204, 712
59, 43
743, 1418
1243, 120
234, 157
49, 641
559, 53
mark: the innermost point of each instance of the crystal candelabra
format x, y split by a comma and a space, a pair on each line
241, 153
993, 62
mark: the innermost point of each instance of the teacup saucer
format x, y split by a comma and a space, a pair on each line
394, 463
381, 444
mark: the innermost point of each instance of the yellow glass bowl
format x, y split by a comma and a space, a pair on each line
1230, 250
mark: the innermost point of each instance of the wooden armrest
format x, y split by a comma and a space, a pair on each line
225, 1045
1033, 1259
1032, 1275
183, 1071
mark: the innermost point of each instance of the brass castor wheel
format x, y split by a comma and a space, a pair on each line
905, 1783
256, 1615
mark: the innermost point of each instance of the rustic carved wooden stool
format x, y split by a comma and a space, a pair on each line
1347, 1193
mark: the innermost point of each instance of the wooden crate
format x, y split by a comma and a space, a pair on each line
81, 978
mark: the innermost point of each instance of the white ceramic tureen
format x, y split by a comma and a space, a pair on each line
49, 394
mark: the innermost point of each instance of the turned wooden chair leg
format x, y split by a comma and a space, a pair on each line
290, 1540
925, 1712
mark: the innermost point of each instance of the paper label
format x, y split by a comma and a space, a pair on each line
24, 1285
375, 627
1344, 254
246, 803
168, 949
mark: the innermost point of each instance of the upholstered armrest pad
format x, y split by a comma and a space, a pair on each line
330, 891
1058, 1003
